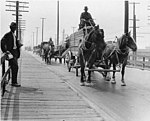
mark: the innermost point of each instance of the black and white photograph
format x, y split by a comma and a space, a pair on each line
75, 60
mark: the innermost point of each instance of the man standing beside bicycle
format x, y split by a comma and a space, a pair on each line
86, 19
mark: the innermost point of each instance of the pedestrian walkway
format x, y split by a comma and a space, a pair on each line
43, 96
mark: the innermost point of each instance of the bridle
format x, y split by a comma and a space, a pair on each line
93, 48
117, 51
90, 42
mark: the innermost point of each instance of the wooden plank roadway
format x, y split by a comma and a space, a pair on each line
43, 96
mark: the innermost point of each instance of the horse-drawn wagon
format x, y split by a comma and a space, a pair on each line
95, 54
72, 52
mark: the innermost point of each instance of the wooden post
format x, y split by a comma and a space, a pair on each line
17, 9
134, 28
37, 36
42, 27
126, 20
57, 23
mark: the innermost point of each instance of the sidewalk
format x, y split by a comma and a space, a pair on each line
43, 96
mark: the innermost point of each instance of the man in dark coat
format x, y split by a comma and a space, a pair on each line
10, 44
86, 18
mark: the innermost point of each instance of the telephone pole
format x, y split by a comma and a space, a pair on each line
33, 40
57, 22
134, 27
16, 8
126, 18
21, 28
134, 21
42, 27
37, 35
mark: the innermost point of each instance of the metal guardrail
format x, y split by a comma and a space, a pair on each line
140, 61
5, 74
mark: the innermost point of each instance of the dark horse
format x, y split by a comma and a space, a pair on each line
117, 54
88, 49
50, 54
47, 52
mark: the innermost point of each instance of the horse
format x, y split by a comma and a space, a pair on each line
45, 47
117, 53
87, 51
50, 54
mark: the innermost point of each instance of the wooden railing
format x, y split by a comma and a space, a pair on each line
141, 61
5, 74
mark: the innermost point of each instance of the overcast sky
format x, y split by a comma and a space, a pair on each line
109, 14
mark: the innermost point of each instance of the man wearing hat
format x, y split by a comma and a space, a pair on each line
86, 18
10, 44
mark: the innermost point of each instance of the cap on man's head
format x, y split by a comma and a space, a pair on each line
85, 8
13, 24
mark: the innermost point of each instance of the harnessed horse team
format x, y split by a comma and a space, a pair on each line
93, 48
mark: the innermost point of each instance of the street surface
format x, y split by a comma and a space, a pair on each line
109, 102
114, 102
43, 96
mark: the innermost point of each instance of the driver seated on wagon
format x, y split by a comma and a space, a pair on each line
86, 19
51, 43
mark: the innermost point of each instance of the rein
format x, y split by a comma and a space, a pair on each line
83, 45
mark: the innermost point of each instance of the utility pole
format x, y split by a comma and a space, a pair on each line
33, 39
17, 10
134, 28
126, 18
63, 37
21, 28
134, 21
57, 22
17, 13
37, 35
42, 27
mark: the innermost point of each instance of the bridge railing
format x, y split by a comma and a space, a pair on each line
141, 61
5, 68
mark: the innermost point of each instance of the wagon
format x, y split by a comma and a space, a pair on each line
71, 54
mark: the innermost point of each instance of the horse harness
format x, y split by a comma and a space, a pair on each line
84, 48
116, 51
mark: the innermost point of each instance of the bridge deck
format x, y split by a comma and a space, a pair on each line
43, 96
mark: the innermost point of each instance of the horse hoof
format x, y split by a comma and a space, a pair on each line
113, 82
123, 84
88, 84
82, 84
